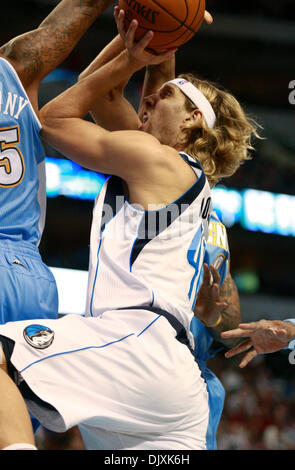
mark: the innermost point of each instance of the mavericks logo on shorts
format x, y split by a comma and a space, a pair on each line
38, 336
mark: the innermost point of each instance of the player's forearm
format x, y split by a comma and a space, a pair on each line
231, 318
114, 48
102, 110
231, 315
77, 101
36, 53
156, 76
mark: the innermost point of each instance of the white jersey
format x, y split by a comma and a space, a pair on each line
127, 377
148, 257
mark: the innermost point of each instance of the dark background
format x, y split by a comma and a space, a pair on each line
250, 49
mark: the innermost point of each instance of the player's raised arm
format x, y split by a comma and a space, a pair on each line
231, 315
36, 53
85, 142
218, 307
157, 75
111, 110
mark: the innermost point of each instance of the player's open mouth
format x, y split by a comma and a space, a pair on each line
144, 118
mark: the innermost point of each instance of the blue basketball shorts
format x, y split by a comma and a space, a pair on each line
27, 286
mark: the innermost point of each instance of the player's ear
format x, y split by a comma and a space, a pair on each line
193, 118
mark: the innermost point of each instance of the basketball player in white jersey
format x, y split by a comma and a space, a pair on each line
115, 113
127, 369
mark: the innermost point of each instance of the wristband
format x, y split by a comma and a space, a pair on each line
219, 320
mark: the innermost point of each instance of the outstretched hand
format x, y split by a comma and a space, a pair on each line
264, 336
208, 17
138, 49
208, 306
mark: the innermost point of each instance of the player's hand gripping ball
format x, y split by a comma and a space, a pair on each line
173, 22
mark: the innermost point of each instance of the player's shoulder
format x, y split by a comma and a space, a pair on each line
182, 164
191, 161
185, 170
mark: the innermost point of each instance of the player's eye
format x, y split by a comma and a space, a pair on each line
167, 91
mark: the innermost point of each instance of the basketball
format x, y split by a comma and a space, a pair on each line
173, 22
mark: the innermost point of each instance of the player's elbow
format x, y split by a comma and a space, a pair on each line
45, 116
49, 121
82, 75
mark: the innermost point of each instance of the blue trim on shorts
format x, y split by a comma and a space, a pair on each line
90, 347
75, 350
149, 325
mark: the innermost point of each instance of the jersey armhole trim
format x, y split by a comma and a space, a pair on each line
24, 91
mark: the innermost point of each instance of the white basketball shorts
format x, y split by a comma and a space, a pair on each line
123, 373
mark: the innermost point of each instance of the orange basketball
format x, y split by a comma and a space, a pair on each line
173, 22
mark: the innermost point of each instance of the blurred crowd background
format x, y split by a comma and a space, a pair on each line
249, 50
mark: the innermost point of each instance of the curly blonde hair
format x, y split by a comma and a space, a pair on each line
223, 149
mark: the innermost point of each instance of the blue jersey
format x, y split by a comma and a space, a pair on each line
28, 288
217, 253
22, 162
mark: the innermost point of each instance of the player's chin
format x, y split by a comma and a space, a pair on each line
144, 127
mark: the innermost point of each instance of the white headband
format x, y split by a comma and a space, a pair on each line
197, 97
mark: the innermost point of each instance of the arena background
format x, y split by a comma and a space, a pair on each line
250, 50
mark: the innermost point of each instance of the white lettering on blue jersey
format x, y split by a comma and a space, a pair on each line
22, 180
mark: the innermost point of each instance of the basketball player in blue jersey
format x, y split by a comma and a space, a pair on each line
217, 308
264, 336
126, 372
28, 288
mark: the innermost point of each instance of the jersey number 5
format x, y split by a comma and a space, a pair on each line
12, 167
